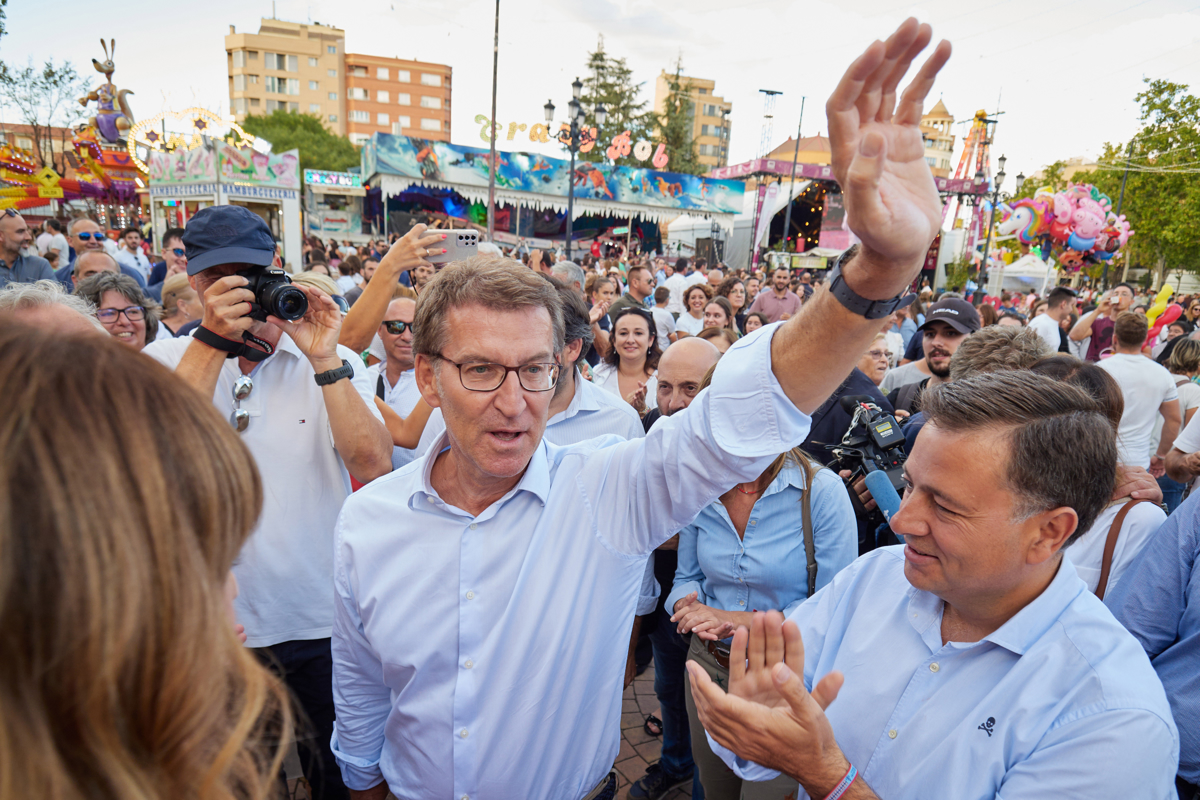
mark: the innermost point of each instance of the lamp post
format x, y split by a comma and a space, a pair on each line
987, 240
576, 116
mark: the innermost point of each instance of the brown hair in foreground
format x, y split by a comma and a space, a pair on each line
124, 499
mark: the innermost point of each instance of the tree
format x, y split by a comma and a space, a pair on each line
610, 81
1162, 195
676, 122
319, 147
43, 98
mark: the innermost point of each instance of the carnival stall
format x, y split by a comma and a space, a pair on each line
217, 163
535, 184
333, 205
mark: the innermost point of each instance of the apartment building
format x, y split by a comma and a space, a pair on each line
289, 66
938, 140
710, 117
393, 95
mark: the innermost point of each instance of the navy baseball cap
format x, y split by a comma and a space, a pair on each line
958, 314
227, 235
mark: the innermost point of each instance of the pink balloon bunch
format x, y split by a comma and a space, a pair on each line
1083, 226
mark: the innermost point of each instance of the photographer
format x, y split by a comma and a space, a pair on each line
288, 398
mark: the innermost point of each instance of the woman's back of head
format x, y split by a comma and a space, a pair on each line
124, 499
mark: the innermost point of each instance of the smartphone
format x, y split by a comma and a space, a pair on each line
459, 245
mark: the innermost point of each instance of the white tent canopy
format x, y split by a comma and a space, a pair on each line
1027, 272
683, 232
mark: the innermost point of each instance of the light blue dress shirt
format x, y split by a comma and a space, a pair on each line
1058, 702
483, 657
1158, 600
767, 569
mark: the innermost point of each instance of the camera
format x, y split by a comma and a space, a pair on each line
274, 295
873, 442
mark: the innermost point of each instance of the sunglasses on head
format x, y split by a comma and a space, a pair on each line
11, 212
98, 236
396, 327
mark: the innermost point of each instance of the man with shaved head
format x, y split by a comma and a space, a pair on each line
91, 262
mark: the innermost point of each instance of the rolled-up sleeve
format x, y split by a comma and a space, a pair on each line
362, 700
648, 595
642, 492
746, 770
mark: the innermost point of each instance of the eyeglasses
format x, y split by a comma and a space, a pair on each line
240, 418
179, 252
396, 326
88, 235
877, 354
477, 376
108, 316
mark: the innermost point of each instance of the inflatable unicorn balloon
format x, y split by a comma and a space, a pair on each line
1027, 218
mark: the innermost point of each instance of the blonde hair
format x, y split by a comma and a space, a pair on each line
121, 677
317, 281
175, 288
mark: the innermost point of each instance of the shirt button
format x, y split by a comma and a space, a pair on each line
468, 663
741, 602
464, 797
470, 595
934, 667
753, 522
891, 734
474, 526
463, 733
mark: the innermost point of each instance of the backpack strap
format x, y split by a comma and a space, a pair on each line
810, 547
1110, 545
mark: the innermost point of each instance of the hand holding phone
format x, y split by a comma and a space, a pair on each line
459, 245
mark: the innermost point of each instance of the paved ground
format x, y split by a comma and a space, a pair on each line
638, 748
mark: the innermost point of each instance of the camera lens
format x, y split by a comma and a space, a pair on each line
286, 302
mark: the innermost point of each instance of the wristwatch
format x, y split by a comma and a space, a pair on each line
334, 375
853, 301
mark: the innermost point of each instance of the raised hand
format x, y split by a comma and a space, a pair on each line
892, 204
411, 250
598, 311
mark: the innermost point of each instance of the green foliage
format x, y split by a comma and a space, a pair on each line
610, 81
958, 273
319, 147
43, 98
1162, 193
675, 125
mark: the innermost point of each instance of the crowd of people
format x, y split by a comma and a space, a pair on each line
425, 530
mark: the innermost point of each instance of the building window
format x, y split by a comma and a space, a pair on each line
333, 117
431, 102
239, 58
404, 98
358, 93
272, 105
331, 49
331, 73
239, 105
293, 86
403, 76
252, 78
382, 96
704, 91
314, 86
358, 72
360, 116
931, 161
402, 122
270, 60
239, 83
314, 108
24, 142
428, 79
293, 63
360, 138
254, 102
703, 149
312, 62
293, 107
273, 84
382, 119
333, 95
431, 124
381, 73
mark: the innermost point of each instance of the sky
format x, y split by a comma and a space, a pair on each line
1064, 72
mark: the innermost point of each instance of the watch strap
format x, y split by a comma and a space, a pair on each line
856, 303
334, 375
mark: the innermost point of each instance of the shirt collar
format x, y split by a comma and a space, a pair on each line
790, 475
584, 399
536, 479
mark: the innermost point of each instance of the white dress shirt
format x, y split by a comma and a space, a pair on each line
285, 569
1060, 701
605, 376
463, 645
402, 398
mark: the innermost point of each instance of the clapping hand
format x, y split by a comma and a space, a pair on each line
768, 716
878, 156
598, 311
637, 398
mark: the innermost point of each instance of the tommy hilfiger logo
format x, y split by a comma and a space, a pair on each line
988, 726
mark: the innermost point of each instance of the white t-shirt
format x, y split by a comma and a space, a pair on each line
285, 569
1188, 441
902, 376
665, 323
604, 375
345, 283
401, 398
47, 242
1145, 386
1048, 329
689, 324
677, 284
1087, 553
1189, 398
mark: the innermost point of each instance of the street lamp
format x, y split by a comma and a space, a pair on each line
573, 140
995, 201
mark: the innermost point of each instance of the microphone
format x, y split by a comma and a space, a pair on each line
852, 401
880, 486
